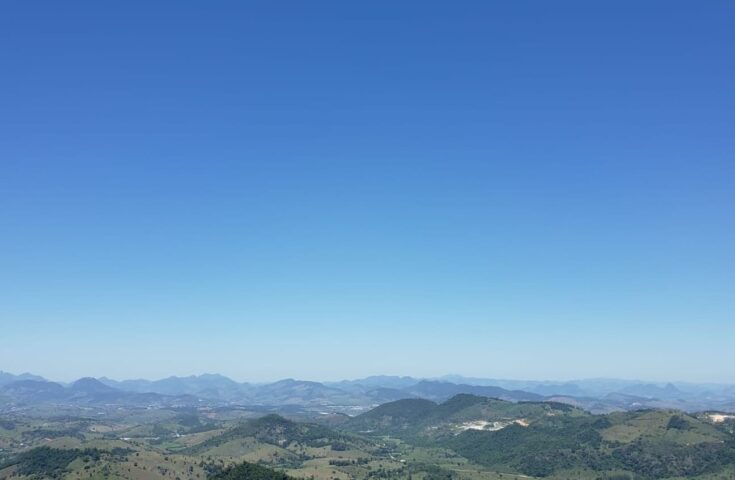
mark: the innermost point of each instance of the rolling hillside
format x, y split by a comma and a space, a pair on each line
281, 432
547, 439
419, 419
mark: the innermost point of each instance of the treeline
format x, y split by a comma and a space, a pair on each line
348, 462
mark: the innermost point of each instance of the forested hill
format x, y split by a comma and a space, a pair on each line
545, 439
417, 418
278, 431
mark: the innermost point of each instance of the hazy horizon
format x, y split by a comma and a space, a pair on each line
328, 190
439, 377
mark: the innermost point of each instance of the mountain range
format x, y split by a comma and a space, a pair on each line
354, 396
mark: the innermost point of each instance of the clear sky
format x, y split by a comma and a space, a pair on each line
321, 190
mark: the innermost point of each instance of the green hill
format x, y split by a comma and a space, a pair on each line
548, 439
281, 432
646, 444
394, 418
416, 419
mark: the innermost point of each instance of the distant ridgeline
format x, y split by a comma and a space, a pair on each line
596, 396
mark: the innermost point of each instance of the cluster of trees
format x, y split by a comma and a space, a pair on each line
46, 462
249, 471
432, 472
7, 424
74, 431
678, 423
277, 430
661, 460
387, 473
348, 462
425, 471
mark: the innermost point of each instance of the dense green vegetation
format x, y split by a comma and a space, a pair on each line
542, 439
249, 471
661, 460
393, 418
423, 422
46, 462
276, 430
536, 451
579, 443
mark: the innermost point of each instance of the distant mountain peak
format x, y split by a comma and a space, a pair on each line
90, 385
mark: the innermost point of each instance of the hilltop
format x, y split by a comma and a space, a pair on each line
417, 418
278, 431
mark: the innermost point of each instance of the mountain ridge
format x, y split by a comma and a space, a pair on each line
596, 395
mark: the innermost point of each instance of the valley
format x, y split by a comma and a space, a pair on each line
467, 437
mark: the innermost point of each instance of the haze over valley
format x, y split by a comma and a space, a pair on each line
354, 396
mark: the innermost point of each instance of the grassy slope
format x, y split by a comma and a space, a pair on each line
574, 444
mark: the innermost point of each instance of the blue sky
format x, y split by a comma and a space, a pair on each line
335, 189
